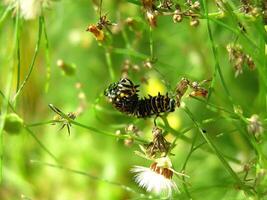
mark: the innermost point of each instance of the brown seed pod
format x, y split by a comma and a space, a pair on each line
159, 145
181, 89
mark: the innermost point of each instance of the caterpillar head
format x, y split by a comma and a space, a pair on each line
112, 91
124, 88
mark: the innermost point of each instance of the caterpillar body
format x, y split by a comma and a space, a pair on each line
123, 95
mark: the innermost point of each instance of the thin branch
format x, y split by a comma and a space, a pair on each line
33, 60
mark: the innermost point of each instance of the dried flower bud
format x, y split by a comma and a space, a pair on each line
200, 92
128, 142
97, 32
130, 21
152, 18
148, 4
118, 132
180, 90
250, 63
255, 126
166, 4
238, 109
68, 69
124, 75
159, 146
131, 128
82, 103
246, 167
148, 64
194, 22
144, 80
221, 5
195, 5
255, 12
116, 29
156, 131
78, 85
238, 66
136, 68
13, 123
177, 16
246, 6
134, 24
125, 68
238, 58
127, 62
81, 96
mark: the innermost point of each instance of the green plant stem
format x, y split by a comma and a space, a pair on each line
4, 15
192, 149
40, 143
126, 39
18, 50
216, 59
33, 60
139, 139
27, 128
127, 188
180, 134
151, 45
217, 152
234, 14
236, 17
131, 52
6, 96
110, 66
47, 56
243, 131
41, 123
5, 99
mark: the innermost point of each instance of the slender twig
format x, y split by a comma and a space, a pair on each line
5, 103
217, 152
40, 143
5, 99
127, 188
95, 130
139, 139
47, 56
42, 123
27, 127
192, 149
33, 60
216, 59
4, 15
18, 50
180, 135
110, 66
236, 17
151, 45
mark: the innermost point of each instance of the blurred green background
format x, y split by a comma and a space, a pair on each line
181, 51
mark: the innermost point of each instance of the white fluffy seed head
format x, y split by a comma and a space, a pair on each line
152, 181
32, 9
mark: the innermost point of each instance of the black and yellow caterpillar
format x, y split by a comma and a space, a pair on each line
123, 95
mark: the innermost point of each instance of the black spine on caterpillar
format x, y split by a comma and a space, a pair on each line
123, 96
154, 105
